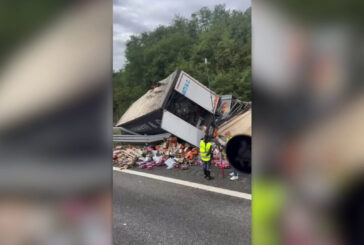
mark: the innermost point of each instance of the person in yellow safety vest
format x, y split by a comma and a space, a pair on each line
206, 154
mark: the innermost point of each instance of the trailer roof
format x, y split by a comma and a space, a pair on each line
240, 124
149, 102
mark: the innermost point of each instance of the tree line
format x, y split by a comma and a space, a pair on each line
220, 35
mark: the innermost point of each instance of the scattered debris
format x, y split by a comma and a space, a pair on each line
169, 154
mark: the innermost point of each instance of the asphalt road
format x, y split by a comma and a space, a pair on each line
195, 174
148, 211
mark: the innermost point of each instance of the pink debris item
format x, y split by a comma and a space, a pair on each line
225, 164
116, 152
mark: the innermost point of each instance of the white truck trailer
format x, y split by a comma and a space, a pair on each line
179, 105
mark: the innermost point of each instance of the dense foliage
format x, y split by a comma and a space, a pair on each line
220, 35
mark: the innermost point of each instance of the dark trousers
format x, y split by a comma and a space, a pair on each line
206, 167
235, 172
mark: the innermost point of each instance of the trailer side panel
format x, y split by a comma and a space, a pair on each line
181, 128
197, 92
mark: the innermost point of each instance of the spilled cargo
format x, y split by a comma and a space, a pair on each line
169, 154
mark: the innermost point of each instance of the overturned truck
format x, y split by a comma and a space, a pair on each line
179, 105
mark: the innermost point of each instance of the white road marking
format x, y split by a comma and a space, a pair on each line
188, 183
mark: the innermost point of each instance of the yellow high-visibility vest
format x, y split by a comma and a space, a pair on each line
205, 151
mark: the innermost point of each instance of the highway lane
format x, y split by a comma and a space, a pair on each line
149, 211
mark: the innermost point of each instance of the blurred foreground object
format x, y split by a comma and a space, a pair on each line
308, 122
238, 150
55, 126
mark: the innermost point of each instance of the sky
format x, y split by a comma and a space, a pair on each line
133, 17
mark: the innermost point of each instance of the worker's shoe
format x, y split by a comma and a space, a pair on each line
234, 178
209, 177
231, 174
205, 173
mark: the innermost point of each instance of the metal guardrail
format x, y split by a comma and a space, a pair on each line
140, 138
126, 130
